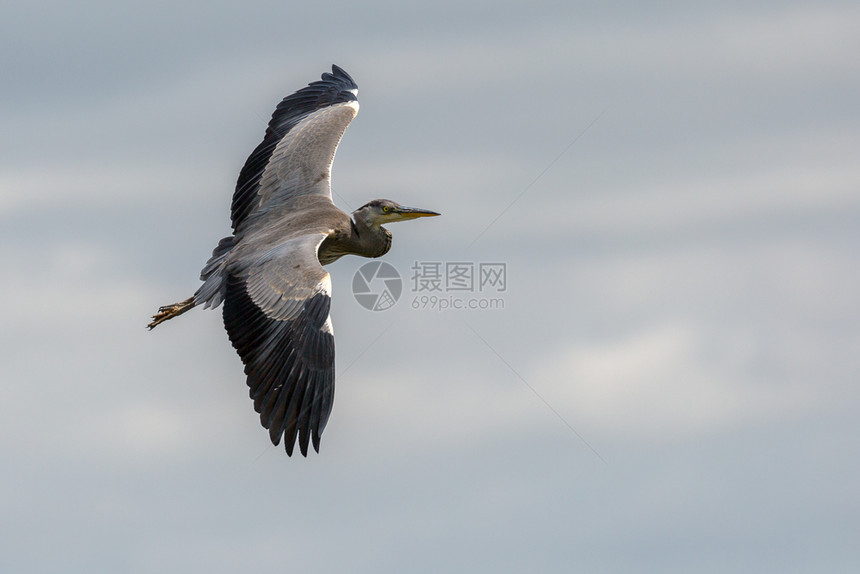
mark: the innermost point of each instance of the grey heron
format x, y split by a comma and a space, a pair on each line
269, 273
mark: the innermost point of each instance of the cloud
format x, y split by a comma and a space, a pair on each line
682, 278
665, 384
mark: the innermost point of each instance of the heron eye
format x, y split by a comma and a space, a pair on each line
385, 209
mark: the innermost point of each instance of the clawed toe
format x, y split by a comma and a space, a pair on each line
169, 311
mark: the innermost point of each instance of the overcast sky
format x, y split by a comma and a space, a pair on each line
671, 386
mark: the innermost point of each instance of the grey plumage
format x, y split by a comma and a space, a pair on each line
269, 274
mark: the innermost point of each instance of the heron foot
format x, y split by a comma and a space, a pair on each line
170, 311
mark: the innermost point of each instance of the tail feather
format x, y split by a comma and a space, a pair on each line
211, 293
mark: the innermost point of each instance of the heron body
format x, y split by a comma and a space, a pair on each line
269, 273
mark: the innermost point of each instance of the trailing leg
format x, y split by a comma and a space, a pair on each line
171, 311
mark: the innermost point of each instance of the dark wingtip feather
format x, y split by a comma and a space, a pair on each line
340, 73
274, 437
296, 373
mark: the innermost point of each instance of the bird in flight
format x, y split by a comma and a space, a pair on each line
269, 273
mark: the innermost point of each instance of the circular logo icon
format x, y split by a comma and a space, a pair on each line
377, 286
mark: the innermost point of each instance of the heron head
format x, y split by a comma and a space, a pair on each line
381, 211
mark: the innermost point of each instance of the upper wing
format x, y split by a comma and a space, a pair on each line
276, 312
295, 156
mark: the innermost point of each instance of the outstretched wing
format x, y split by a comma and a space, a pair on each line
276, 311
295, 156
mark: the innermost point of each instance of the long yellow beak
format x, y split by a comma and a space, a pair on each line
414, 213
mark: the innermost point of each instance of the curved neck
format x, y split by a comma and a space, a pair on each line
369, 240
